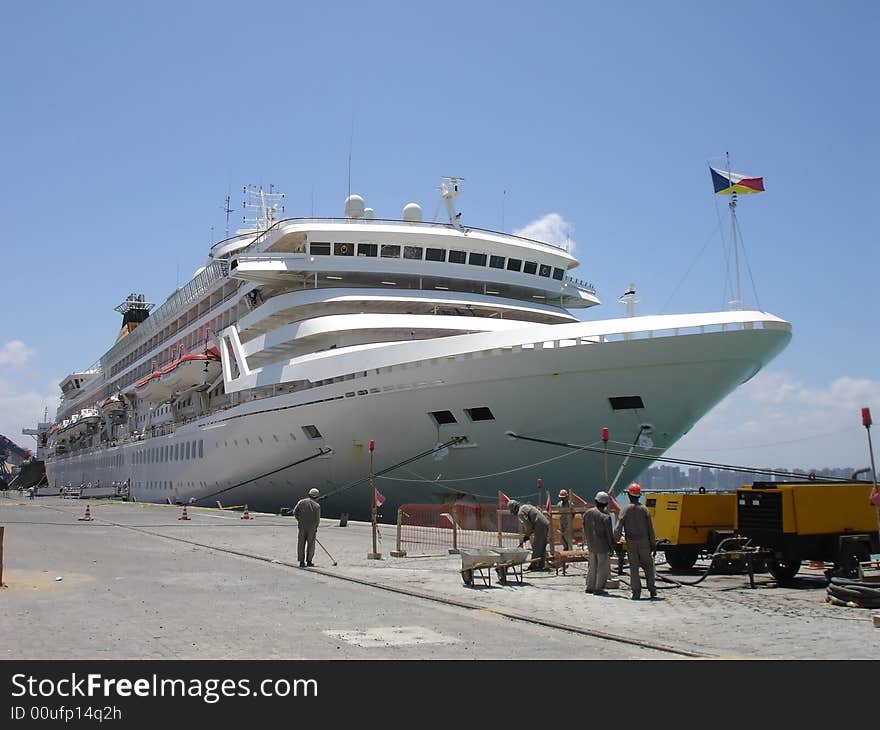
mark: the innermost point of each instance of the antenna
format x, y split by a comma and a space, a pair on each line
449, 191
503, 198
267, 203
350, 145
226, 209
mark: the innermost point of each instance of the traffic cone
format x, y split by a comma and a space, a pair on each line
87, 517
183, 515
247, 514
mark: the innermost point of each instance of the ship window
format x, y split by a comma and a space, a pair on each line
368, 249
544, 270
413, 252
176, 452
319, 249
530, 267
496, 262
343, 249
514, 264
457, 257
435, 254
558, 274
626, 402
312, 432
201, 453
479, 414
477, 259
186, 450
390, 252
443, 417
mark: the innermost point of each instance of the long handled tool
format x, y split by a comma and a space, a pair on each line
326, 551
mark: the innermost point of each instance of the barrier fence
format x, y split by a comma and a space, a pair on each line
423, 528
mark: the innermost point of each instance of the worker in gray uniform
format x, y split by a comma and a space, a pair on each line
634, 521
600, 542
536, 527
308, 515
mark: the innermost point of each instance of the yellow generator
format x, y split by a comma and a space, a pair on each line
832, 522
688, 523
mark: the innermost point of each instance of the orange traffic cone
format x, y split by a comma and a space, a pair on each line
87, 517
183, 515
247, 514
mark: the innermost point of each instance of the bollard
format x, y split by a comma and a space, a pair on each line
399, 552
343, 519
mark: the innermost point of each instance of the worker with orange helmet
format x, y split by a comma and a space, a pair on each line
564, 504
634, 521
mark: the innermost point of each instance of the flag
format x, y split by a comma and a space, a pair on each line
503, 499
378, 497
577, 501
612, 505
727, 183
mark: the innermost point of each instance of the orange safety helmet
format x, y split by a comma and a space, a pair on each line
563, 493
634, 490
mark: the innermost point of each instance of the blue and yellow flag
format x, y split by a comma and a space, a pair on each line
727, 183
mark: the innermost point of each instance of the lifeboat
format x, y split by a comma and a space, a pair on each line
150, 388
112, 406
191, 370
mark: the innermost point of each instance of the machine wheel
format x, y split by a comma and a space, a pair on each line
681, 558
783, 569
468, 577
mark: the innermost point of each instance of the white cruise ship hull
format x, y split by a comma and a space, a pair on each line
268, 452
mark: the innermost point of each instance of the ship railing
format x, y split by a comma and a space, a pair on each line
191, 291
264, 239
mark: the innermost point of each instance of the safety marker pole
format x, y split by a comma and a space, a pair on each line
2, 529
875, 499
374, 511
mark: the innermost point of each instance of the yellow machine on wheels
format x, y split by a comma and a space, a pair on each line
830, 522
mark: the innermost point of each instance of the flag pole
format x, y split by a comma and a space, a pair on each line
737, 302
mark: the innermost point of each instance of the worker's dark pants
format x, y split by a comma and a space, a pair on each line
563, 533
307, 536
639, 555
539, 546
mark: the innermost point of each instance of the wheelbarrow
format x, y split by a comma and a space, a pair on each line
478, 562
511, 559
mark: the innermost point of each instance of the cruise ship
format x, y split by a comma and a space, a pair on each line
431, 361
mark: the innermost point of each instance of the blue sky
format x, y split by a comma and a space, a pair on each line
125, 126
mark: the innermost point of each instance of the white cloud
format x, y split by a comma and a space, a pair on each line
15, 353
22, 406
775, 420
550, 228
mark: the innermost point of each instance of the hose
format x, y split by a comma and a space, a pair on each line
719, 553
853, 593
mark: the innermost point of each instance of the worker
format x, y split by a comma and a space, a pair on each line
564, 505
308, 515
536, 526
600, 542
634, 521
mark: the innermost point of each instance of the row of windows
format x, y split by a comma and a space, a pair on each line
419, 253
170, 452
482, 413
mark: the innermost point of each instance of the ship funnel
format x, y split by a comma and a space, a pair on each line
134, 310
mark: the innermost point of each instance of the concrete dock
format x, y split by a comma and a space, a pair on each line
137, 582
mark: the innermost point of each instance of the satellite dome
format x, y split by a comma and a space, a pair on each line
369, 213
412, 212
354, 206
